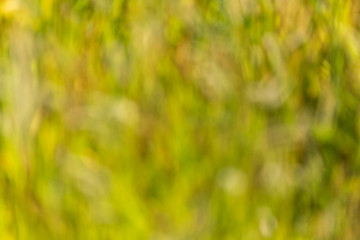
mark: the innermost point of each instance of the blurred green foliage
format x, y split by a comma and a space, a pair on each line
189, 119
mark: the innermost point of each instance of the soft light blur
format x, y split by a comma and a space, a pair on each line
189, 119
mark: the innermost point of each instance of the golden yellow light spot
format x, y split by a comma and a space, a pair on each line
8, 7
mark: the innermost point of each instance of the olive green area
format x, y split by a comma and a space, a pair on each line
179, 119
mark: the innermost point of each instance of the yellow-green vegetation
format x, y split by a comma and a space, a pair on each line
188, 119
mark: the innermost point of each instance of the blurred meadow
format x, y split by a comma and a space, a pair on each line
188, 119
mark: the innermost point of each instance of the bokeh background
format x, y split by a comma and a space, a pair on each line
187, 119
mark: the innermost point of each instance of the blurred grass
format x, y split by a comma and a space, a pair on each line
191, 119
